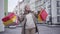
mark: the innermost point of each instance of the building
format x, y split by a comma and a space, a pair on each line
55, 5
53, 9
20, 6
1, 15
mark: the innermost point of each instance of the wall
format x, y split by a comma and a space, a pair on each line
54, 11
1, 15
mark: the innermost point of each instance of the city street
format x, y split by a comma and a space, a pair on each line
43, 29
17, 13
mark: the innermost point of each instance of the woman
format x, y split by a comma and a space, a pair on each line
29, 21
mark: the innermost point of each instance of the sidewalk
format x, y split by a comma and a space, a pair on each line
12, 31
42, 30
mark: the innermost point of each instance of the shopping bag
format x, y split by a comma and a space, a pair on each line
43, 15
39, 18
11, 21
6, 18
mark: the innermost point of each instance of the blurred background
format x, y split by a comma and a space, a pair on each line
50, 26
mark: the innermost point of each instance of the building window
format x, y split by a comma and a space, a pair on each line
58, 11
58, 18
49, 11
58, 3
49, 6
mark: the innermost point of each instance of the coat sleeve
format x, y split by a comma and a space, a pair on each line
23, 24
24, 20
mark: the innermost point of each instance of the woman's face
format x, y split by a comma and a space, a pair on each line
27, 8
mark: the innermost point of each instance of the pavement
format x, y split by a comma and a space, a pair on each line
48, 29
43, 29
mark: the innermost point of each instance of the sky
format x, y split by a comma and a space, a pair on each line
12, 4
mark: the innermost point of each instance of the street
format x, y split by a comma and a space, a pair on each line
43, 29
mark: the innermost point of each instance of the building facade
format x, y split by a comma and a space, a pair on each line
1, 15
52, 7
55, 11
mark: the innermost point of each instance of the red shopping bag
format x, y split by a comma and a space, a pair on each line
6, 18
44, 15
9, 22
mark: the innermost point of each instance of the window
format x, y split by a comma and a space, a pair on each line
49, 11
58, 18
58, 3
49, 6
58, 11
50, 18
